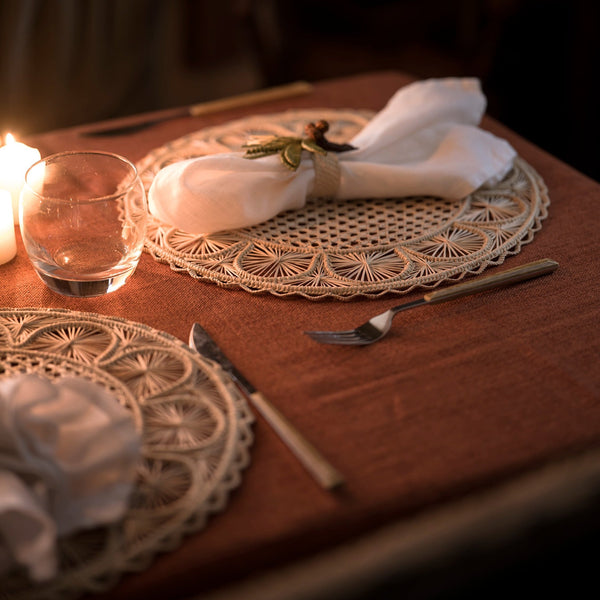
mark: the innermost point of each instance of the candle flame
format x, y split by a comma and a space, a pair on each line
9, 139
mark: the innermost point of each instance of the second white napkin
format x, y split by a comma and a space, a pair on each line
68, 456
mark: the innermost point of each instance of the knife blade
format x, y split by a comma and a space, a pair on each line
125, 125
312, 460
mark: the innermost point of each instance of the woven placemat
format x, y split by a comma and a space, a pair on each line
350, 248
195, 426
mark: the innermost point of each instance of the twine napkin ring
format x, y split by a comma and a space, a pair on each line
327, 175
327, 169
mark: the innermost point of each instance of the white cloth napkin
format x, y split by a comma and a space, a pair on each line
426, 141
68, 455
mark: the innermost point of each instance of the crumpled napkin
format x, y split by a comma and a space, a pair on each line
426, 141
68, 455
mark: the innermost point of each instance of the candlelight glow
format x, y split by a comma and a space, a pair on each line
9, 139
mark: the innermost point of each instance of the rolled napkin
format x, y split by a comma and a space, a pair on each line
425, 142
68, 455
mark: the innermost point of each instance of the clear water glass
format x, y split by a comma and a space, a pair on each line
83, 219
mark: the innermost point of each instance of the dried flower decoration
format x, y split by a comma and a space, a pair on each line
290, 148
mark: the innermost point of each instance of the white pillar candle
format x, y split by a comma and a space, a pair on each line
15, 159
8, 243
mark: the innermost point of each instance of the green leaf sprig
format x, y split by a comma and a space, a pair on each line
290, 148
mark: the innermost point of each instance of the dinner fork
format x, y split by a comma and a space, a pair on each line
374, 329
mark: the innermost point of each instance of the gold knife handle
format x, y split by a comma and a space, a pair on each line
522, 273
288, 90
325, 474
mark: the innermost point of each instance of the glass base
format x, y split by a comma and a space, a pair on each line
85, 288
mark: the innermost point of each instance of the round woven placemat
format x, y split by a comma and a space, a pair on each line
349, 248
196, 434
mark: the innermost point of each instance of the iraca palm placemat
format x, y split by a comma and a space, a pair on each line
348, 248
195, 429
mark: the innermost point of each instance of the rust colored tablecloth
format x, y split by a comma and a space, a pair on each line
461, 399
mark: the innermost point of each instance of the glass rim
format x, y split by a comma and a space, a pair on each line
104, 153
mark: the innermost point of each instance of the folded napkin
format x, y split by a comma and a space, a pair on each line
425, 142
68, 455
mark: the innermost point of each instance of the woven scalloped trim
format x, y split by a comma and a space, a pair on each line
196, 433
350, 248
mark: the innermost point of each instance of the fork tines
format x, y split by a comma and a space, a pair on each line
351, 337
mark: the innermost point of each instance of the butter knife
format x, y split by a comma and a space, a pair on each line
312, 460
125, 125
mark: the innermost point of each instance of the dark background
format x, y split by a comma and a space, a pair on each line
66, 62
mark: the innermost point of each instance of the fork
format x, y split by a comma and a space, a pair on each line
376, 328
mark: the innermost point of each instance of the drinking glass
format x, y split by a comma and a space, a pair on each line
83, 219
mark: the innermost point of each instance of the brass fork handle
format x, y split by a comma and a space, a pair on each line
522, 273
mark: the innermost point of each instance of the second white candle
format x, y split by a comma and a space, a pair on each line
8, 242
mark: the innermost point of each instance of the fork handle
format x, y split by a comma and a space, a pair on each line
522, 273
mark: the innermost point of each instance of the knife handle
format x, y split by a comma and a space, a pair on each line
325, 474
522, 273
297, 88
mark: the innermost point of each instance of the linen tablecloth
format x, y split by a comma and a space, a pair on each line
464, 408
